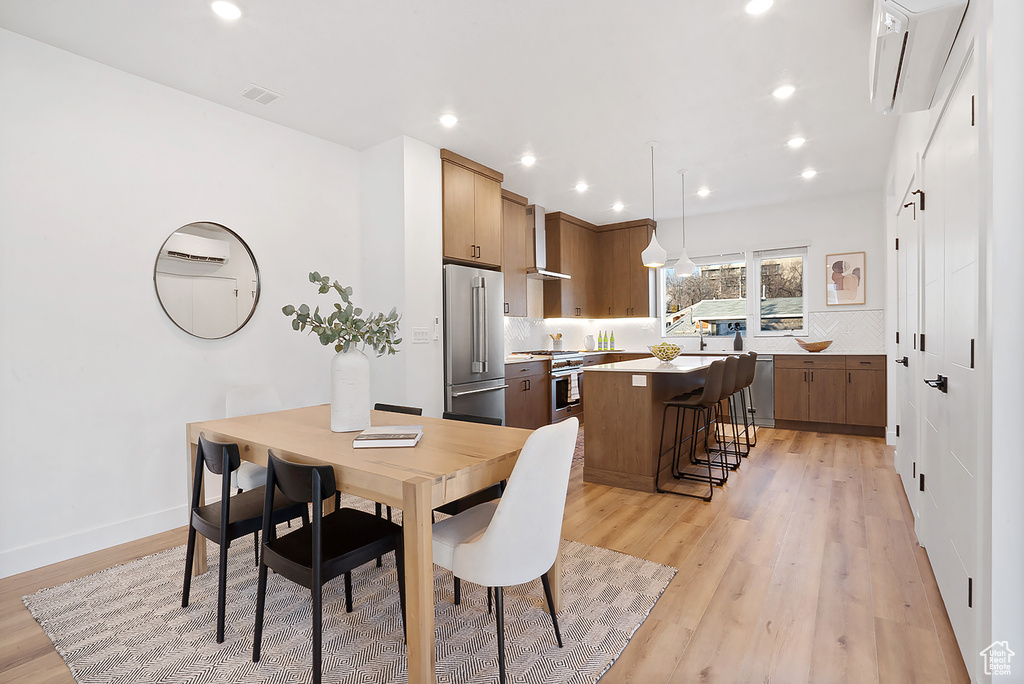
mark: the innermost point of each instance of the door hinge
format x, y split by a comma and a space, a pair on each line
972, 352
922, 482
897, 430
922, 341
920, 193
972, 110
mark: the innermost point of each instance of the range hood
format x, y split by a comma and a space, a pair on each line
535, 226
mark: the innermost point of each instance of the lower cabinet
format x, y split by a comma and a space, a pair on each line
528, 395
831, 393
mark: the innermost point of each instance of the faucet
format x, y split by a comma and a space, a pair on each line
703, 344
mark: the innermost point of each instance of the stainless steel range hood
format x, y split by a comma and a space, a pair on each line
535, 226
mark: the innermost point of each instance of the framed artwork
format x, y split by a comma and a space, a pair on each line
844, 278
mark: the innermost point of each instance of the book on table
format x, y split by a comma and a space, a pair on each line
388, 436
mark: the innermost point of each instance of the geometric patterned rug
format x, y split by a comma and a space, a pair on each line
126, 624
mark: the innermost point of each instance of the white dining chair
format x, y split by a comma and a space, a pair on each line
514, 539
245, 400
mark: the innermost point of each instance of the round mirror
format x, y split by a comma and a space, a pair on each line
207, 280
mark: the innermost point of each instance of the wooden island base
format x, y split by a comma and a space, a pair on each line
624, 419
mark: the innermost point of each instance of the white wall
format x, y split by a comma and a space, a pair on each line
401, 199
97, 168
1003, 60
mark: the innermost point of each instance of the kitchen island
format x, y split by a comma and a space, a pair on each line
624, 417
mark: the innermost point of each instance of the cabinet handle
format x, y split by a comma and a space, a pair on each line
609, 311
506, 307
849, 377
812, 376
805, 376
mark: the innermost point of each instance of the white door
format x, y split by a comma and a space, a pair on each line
907, 377
949, 313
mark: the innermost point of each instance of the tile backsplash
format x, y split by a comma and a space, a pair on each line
860, 331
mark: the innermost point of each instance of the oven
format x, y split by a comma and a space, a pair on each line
566, 399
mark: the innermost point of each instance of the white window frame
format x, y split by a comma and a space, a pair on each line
754, 260
753, 265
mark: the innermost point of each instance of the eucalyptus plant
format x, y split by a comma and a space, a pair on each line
346, 326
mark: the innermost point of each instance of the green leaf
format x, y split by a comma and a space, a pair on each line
314, 276
304, 310
288, 310
295, 324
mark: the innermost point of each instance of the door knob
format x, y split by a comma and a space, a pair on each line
905, 361
938, 383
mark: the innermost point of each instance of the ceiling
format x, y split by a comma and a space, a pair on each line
584, 85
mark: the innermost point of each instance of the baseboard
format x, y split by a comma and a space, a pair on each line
32, 556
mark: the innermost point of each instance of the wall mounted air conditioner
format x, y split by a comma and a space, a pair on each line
196, 248
910, 43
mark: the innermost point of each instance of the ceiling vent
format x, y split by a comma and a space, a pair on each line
259, 94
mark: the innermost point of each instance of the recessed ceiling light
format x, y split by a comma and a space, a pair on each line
618, 206
581, 186
758, 6
528, 160
226, 10
796, 142
449, 120
783, 92
809, 173
703, 191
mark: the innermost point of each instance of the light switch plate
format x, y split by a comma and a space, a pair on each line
420, 335
639, 381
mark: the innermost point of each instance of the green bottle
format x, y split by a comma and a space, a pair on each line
611, 341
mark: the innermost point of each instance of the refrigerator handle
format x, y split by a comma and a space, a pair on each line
479, 331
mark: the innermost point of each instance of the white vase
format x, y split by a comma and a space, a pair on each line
350, 391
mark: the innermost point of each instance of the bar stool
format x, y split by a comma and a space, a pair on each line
748, 368
702, 404
728, 448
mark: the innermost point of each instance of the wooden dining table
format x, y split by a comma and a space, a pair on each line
453, 459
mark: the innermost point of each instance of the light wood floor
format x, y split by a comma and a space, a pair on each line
804, 568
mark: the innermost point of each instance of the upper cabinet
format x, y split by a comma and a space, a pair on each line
472, 211
609, 279
571, 249
627, 283
514, 255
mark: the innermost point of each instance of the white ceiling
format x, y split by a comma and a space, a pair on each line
583, 84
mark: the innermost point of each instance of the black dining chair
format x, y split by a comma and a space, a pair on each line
312, 555
230, 518
393, 408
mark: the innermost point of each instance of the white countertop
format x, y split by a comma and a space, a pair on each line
680, 364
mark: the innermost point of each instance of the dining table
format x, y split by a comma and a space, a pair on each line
453, 459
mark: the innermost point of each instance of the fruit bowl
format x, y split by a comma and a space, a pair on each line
665, 351
814, 346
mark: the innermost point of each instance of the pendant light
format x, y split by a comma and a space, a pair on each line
654, 256
683, 266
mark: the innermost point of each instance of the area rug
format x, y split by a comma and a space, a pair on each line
126, 623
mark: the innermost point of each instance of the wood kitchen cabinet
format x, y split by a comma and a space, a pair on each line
571, 247
528, 395
514, 254
623, 273
831, 393
471, 211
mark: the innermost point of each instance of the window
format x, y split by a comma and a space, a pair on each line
716, 301
711, 302
782, 307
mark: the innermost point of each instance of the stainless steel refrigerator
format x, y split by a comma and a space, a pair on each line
474, 342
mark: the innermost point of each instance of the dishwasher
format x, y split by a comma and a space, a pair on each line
762, 390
